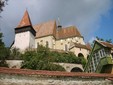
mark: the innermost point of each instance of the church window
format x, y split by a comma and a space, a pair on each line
66, 48
47, 44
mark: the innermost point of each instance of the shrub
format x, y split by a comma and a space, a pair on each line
42, 58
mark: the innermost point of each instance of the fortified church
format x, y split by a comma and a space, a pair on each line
51, 35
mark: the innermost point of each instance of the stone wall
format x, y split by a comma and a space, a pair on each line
14, 63
6, 79
68, 66
38, 77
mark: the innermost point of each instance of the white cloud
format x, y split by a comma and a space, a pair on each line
85, 14
92, 39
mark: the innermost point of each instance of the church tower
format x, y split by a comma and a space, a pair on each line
24, 34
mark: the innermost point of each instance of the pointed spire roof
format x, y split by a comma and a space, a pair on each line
25, 20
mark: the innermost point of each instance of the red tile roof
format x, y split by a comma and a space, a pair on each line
53, 73
80, 46
105, 44
50, 28
88, 46
25, 20
68, 32
45, 29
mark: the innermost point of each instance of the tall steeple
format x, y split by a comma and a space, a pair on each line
25, 20
25, 25
25, 34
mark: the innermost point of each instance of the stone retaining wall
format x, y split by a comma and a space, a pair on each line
6, 79
37, 77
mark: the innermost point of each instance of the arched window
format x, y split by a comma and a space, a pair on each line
66, 48
47, 44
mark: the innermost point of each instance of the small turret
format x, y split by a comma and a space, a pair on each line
59, 25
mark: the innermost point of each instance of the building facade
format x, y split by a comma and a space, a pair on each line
101, 58
50, 35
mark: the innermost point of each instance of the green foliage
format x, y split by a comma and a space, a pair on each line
109, 41
4, 52
2, 4
42, 59
15, 54
66, 58
38, 61
3, 63
101, 39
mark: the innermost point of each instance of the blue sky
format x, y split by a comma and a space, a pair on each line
107, 27
91, 17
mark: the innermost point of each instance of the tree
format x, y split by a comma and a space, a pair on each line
15, 54
39, 60
109, 41
43, 59
2, 4
101, 39
4, 52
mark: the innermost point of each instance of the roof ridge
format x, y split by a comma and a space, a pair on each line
45, 22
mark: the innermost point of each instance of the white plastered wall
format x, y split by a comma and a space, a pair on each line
24, 40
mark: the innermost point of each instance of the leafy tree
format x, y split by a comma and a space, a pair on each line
4, 52
109, 41
2, 4
101, 39
39, 61
42, 59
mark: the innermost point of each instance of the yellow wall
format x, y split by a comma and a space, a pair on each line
60, 44
76, 51
43, 40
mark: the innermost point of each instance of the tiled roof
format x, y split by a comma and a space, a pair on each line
50, 28
68, 32
45, 29
53, 73
88, 46
25, 20
105, 44
80, 46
